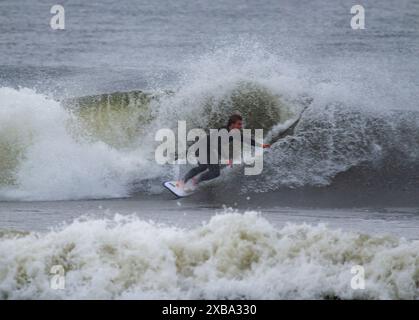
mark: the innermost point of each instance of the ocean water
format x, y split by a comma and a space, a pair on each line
79, 185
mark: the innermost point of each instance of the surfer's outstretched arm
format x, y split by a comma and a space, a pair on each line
253, 143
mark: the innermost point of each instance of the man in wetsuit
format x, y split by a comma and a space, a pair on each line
212, 171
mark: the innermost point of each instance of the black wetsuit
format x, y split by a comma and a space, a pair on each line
213, 169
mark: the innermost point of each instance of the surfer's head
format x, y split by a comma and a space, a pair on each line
235, 122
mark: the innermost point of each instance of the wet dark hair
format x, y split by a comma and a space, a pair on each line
233, 119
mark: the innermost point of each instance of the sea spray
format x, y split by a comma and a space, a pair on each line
103, 146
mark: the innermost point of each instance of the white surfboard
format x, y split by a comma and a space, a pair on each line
179, 192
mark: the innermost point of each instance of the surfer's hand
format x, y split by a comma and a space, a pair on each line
266, 145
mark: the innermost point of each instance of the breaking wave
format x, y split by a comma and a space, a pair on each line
232, 256
101, 146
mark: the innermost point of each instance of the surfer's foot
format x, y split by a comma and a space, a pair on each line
180, 184
191, 185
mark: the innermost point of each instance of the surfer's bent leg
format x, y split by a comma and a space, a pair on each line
194, 171
212, 173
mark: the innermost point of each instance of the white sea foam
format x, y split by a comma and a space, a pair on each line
51, 159
231, 256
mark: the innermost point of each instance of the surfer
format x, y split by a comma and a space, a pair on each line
212, 171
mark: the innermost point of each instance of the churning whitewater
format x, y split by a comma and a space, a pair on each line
100, 146
83, 213
233, 256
